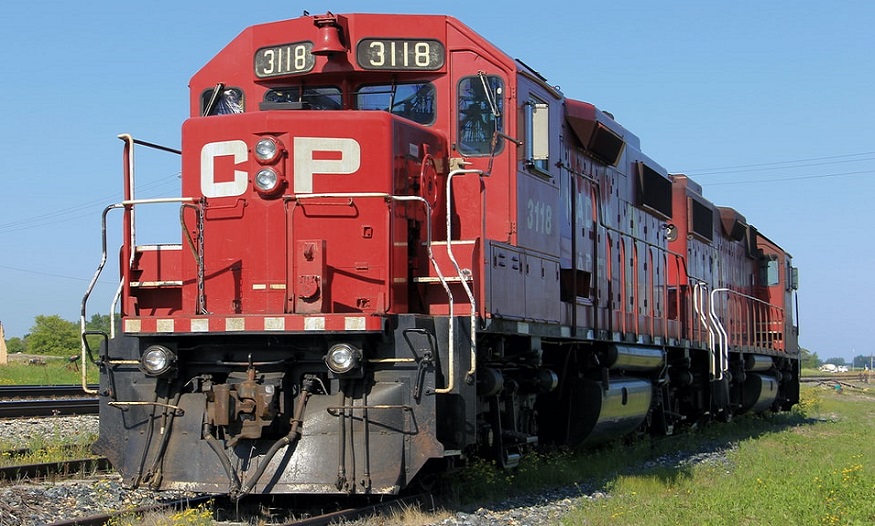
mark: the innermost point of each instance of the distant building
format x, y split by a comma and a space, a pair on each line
4, 356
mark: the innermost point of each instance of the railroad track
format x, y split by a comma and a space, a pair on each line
45, 400
41, 391
64, 468
324, 519
835, 377
102, 518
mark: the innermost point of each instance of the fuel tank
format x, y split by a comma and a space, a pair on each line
632, 358
604, 411
758, 393
757, 363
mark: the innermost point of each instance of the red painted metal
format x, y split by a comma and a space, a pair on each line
277, 254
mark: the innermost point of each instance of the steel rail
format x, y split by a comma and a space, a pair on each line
352, 514
41, 391
53, 407
65, 468
102, 518
325, 519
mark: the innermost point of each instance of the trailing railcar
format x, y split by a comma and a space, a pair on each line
399, 248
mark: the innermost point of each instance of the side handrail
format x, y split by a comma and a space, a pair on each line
722, 349
623, 238
758, 316
700, 293
462, 278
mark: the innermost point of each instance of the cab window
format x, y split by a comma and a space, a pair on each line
537, 144
411, 101
770, 271
480, 107
222, 101
303, 98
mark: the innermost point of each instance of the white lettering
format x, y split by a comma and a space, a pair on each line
540, 217
209, 186
344, 157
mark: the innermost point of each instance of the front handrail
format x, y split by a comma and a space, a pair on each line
129, 225
428, 245
127, 204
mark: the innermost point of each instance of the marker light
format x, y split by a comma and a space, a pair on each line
268, 150
157, 360
343, 358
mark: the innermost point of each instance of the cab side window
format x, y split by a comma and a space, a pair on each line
222, 101
480, 107
537, 143
770, 271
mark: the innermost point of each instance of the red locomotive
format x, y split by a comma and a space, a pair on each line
400, 247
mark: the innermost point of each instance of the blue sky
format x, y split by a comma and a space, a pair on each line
768, 105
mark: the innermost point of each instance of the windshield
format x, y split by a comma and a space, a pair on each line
411, 101
305, 98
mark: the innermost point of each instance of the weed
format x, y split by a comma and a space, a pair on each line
202, 515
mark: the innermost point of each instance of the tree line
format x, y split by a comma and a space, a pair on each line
54, 336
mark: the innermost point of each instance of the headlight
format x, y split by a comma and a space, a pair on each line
266, 180
268, 150
157, 360
343, 358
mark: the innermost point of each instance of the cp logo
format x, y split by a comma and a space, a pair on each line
312, 155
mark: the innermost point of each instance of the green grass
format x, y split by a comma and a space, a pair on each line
811, 467
482, 481
49, 372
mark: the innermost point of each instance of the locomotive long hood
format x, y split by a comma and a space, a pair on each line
597, 132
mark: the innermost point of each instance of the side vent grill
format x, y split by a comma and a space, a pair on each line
752, 250
701, 220
734, 224
606, 144
654, 191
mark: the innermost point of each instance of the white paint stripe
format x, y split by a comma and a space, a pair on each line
314, 324
234, 324
354, 323
274, 324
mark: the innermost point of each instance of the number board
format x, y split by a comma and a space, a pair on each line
423, 55
284, 59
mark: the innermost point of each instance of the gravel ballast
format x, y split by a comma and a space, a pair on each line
25, 503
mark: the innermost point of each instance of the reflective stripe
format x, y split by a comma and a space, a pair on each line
354, 323
274, 324
220, 324
314, 324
